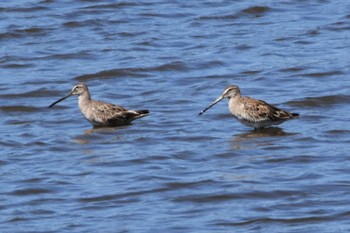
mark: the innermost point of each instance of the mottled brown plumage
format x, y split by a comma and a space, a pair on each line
252, 112
99, 113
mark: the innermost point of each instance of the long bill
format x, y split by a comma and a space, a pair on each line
70, 94
212, 104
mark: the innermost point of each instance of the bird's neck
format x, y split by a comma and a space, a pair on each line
234, 99
84, 98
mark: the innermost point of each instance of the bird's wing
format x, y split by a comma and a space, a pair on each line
107, 110
123, 117
261, 111
107, 107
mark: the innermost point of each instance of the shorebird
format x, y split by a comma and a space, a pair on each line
101, 114
252, 112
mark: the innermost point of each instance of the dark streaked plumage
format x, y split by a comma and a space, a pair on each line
99, 113
252, 112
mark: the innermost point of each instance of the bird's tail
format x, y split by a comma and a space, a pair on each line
141, 113
294, 115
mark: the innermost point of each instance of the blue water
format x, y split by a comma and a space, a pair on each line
174, 171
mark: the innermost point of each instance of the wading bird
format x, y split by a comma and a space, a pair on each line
101, 114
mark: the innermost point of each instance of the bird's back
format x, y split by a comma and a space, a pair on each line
257, 113
105, 114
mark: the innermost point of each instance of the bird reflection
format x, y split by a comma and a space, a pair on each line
104, 129
249, 140
266, 132
93, 134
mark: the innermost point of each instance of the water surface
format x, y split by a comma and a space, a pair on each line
174, 171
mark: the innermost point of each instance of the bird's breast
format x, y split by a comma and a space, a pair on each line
236, 107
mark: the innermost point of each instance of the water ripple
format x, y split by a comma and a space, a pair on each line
321, 101
133, 72
31, 191
181, 172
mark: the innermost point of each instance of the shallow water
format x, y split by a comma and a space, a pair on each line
174, 171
